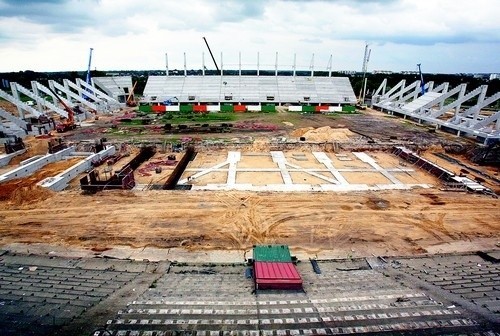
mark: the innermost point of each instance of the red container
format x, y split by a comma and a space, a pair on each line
240, 108
158, 108
276, 275
200, 108
320, 108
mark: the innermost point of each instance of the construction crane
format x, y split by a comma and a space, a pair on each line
131, 98
69, 123
422, 84
362, 90
87, 79
213, 58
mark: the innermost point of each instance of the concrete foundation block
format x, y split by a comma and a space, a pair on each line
31, 167
5, 158
60, 182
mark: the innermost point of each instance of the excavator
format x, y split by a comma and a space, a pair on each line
69, 123
131, 102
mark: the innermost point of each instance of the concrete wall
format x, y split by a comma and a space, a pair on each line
31, 159
60, 181
31, 167
5, 158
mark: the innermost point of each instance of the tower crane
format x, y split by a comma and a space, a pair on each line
366, 59
422, 84
87, 79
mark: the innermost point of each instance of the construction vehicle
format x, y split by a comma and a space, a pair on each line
131, 102
67, 124
169, 101
13, 144
56, 145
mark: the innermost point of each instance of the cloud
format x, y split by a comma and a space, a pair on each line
311, 40
357, 2
138, 33
60, 15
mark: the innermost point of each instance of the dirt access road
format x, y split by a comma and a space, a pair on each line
346, 224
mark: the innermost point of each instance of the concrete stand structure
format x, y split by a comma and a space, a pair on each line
60, 181
29, 167
5, 158
442, 107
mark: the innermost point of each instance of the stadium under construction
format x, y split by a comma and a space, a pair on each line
176, 211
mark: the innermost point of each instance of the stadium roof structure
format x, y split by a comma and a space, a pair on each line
250, 89
117, 87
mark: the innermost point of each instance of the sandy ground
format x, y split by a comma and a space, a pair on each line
24, 190
491, 171
383, 223
305, 160
343, 224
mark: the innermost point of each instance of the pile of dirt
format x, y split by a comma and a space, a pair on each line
260, 144
301, 131
28, 195
34, 147
325, 133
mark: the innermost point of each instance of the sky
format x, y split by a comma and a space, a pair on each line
445, 36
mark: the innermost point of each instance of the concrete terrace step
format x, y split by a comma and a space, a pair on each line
475, 280
360, 318
394, 295
447, 326
289, 311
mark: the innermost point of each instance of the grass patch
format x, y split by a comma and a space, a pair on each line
173, 118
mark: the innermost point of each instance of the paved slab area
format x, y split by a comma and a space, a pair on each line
39, 294
47, 295
331, 177
470, 277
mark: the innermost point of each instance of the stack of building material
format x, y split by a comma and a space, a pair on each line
274, 269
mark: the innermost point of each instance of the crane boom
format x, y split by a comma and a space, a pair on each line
422, 84
71, 113
87, 79
213, 58
366, 59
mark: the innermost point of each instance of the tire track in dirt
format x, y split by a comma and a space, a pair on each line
207, 219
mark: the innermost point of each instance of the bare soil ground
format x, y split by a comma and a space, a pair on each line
359, 223
24, 190
392, 222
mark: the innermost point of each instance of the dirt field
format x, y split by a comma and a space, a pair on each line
349, 223
24, 190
